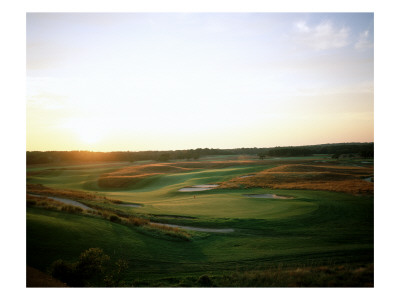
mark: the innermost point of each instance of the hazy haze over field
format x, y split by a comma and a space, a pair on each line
163, 81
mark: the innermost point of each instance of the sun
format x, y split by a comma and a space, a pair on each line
89, 135
86, 131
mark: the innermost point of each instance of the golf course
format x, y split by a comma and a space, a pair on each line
221, 221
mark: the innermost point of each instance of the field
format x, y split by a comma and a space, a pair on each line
316, 231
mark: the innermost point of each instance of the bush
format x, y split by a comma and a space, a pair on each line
205, 281
92, 269
114, 277
137, 221
71, 209
114, 218
92, 262
65, 272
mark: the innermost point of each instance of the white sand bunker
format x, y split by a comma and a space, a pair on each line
214, 230
131, 205
270, 196
199, 188
245, 176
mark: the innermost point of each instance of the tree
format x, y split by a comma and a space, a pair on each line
91, 263
164, 157
114, 277
88, 271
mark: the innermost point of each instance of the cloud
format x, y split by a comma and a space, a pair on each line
364, 41
322, 36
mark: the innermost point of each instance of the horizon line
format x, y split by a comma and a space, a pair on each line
306, 145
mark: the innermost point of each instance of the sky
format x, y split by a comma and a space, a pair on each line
166, 81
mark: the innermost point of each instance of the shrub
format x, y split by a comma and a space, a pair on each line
114, 277
205, 281
71, 209
30, 202
64, 271
137, 221
92, 269
91, 264
171, 231
114, 218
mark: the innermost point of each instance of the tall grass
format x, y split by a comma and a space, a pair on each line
170, 231
112, 215
320, 276
70, 194
48, 203
346, 179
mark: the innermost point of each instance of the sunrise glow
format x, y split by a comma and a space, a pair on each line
141, 81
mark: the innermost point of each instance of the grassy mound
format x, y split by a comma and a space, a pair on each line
347, 179
132, 175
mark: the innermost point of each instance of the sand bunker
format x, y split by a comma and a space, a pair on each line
214, 230
66, 201
199, 188
131, 205
245, 176
270, 196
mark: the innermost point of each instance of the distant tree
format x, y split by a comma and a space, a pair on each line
367, 154
261, 155
193, 154
164, 157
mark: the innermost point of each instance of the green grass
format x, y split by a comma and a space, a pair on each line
312, 229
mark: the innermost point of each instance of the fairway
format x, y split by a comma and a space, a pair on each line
295, 227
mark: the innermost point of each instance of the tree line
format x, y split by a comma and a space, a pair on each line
365, 150
40, 157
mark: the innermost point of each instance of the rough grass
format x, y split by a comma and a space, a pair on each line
341, 275
320, 276
346, 179
48, 203
113, 215
63, 193
168, 230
